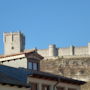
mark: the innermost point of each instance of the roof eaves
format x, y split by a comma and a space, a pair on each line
18, 85
56, 77
30, 51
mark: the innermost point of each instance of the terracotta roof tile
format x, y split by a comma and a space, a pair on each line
25, 52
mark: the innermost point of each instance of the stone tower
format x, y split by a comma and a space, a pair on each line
14, 42
52, 50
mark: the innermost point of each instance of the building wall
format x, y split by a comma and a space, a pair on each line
13, 42
51, 83
20, 63
7, 87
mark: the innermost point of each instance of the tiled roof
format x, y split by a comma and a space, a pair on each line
29, 52
13, 76
50, 76
18, 76
25, 52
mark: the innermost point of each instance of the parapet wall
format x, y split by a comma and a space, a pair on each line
81, 51
73, 51
43, 52
53, 51
63, 51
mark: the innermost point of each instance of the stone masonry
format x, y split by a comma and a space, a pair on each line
77, 67
14, 42
73, 62
53, 51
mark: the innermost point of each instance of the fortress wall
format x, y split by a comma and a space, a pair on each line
53, 51
43, 52
74, 51
81, 50
63, 51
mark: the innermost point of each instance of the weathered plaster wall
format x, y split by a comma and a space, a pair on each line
20, 63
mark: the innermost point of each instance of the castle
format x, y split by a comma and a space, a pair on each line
53, 51
25, 68
73, 62
15, 42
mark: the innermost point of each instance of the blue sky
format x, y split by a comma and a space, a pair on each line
44, 22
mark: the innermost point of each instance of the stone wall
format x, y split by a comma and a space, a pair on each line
63, 51
53, 51
43, 52
14, 42
86, 86
81, 51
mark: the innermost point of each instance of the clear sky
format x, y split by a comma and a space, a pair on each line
44, 22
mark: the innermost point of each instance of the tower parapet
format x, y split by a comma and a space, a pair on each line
52, 50
14, 42
89, 48
71, 50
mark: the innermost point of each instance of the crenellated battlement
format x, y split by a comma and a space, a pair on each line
14, 42
54, 51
